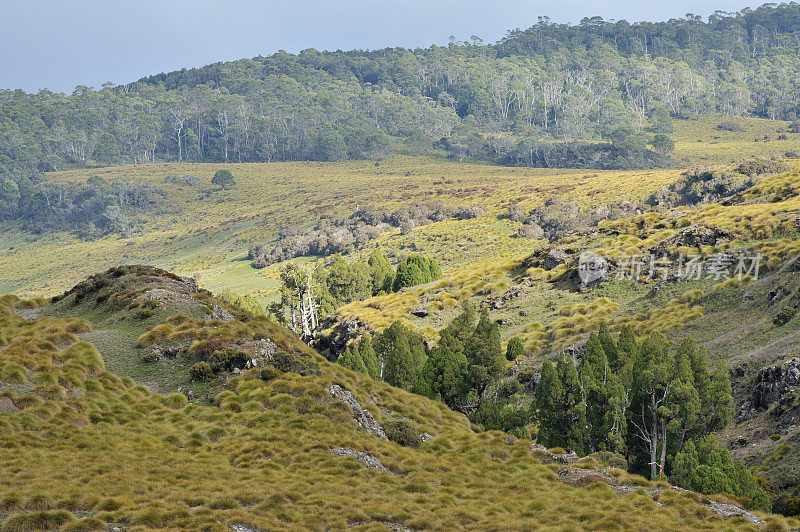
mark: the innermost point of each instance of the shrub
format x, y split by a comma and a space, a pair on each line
758, 166
201, 371
514, 349
531, 230
403, 432
730, 126
224, 179
227, 360
784, 316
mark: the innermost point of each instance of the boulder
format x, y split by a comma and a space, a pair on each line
554, 258
360, 415
531, 230
219, 313
362, 457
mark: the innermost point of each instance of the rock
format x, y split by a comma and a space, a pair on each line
7, 404
531, 230
500, 301
420, 312
261, 352
546, 259
242, 528
425, 437
187, 392
554, 258
694, 236
219, 313
363, 417
339, 333
160, 352
729, 510
774, 382
29, 314
563, 458
362, 457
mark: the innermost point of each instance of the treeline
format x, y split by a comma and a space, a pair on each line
91, 209
654, 404
594, 81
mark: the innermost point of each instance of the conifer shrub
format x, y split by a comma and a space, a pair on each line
514, 348
402, 431
784, 316
201, 371
227, 359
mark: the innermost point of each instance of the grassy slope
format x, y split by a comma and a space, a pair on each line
259, 456
209, 232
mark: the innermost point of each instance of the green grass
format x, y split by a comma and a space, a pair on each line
108, 452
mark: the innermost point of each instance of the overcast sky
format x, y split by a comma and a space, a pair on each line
58, 44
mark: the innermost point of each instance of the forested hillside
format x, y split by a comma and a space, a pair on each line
592, 81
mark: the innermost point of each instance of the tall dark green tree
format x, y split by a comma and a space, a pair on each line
369, 357
483, 351
548, 408
575, 429
381, 272
597, 385
401, 353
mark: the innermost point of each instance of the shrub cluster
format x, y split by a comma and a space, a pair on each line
333, 235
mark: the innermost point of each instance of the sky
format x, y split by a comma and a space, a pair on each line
59, 44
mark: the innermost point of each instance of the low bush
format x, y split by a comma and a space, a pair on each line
403, 432
201, 371
784, 316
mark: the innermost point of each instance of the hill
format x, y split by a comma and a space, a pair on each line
285, 444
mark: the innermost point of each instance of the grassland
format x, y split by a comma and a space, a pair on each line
258, 456
207, 231
73, 408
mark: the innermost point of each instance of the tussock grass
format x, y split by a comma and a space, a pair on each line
258, 456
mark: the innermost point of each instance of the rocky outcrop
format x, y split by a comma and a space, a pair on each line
500, 301
729, 510
580, 478
260, 352
694, 236
219, 313
362, 417
566, 458
773, 382
531, 230
547, 258
554, 258
362, 457
337, 333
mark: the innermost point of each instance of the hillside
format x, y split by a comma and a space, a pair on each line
551, 282
260, 454
202, 231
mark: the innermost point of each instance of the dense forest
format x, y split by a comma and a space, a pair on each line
598, 94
